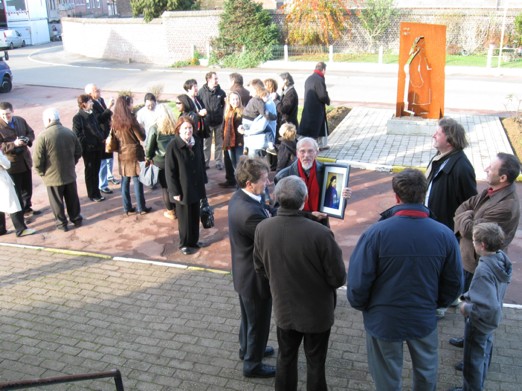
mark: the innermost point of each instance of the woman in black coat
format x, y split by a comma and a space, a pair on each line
186, 177
289, 103
88, 131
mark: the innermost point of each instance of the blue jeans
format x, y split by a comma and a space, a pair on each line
385, 362
478, 348
105, 173
138, 193
235, 153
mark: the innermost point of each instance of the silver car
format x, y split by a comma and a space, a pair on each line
10, 39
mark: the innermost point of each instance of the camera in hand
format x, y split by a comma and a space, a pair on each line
24, 139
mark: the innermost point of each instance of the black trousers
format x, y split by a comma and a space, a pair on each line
229, 168
92, 162
315, 348
23, 182
188, 224
57, 195
254, 330
18, 222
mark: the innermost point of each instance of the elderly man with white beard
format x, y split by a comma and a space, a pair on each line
312, 173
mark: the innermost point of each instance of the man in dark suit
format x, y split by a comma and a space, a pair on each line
246, 211
313, 121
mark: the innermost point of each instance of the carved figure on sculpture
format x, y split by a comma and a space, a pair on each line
418, 80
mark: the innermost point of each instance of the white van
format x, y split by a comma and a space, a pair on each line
10, 39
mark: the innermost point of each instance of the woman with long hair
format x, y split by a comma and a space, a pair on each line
232, 128
160, 135
186, 177
129, 136
88, 131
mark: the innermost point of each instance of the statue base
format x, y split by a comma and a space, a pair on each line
414, 126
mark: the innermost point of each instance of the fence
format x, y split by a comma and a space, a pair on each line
467, 31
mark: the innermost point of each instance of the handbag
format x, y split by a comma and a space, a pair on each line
206, 213
148, 173
111, 143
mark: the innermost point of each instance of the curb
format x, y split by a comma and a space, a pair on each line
121, 259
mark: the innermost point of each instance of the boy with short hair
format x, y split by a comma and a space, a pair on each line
482, 303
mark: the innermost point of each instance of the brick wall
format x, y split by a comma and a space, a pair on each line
172, 37
162, 41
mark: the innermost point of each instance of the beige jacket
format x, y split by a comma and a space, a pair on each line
502, 208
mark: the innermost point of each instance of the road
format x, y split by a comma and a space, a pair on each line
471, 90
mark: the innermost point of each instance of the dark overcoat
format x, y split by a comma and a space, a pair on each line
303, 274
313, 121
451, 186
185, 170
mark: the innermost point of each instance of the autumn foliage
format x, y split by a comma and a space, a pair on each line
316, 22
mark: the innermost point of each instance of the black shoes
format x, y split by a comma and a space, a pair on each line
31, 212
98, 199
129, 212
457, 342
269, 351
145, 210
187, 250
106, 191
459, 366
262, 371
227, 185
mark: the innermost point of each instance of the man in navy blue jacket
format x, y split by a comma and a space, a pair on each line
402, 269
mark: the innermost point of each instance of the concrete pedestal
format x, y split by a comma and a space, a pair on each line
406, 126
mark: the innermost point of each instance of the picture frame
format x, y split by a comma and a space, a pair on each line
336, 177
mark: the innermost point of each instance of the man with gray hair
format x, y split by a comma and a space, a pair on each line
56, 152
303, 277
311, 172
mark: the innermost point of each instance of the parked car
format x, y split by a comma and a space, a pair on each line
10, 39
6, 76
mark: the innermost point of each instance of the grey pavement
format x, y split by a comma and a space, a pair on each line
361, 140
173, 327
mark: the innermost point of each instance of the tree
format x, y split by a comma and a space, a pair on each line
246, 34
151, 9
376, 18
518, 29
315, 22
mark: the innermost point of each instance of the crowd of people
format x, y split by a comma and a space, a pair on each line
442, 244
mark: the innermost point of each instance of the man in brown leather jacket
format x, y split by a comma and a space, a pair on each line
16, 136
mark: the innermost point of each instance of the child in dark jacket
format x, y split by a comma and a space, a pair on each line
286, 151
482, 303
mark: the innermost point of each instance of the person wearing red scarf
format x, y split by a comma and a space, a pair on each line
313, 121
311, 172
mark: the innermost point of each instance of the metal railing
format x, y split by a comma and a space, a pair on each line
20, 384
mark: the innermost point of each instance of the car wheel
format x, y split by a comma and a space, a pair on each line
6, 85
11, 46
23, 44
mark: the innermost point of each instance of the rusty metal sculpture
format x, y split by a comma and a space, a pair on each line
422, 57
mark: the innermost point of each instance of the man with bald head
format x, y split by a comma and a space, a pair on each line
56, 153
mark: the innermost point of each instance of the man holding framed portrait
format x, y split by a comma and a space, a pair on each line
312, 172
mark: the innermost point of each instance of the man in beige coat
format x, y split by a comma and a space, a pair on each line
56, 152
497, 204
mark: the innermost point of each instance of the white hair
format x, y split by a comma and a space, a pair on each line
89, 87
50, 115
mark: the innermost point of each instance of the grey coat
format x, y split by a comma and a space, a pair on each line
55, 153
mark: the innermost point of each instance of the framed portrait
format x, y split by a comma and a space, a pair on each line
336, 177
